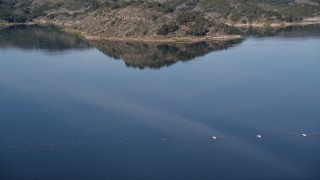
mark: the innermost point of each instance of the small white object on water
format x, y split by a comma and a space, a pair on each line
259, 136
214, 137
304, 135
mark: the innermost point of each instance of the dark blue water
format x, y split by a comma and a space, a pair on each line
113, 110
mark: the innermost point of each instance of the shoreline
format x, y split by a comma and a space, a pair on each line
15, 24
186, 39
192, 39
167, 40
304, 22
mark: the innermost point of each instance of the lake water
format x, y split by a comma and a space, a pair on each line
114, 110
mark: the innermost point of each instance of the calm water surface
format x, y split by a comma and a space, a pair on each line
114, 110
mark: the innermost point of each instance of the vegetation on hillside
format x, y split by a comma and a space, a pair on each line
165, 17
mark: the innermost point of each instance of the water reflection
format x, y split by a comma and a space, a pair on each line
45, 38
286, 32
140, 55
154, 55
74, 107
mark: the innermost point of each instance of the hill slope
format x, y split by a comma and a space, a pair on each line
169, 18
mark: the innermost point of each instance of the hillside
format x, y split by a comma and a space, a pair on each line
158, 18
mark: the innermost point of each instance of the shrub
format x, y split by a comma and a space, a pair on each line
165, 8
187, 16
167, 28
50, 16
154, 17
198, 30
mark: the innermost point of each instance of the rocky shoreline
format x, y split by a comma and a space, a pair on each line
185, 39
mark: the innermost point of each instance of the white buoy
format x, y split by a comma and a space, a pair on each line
259, 136
304, 135
214, 137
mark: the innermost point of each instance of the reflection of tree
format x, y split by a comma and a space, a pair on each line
154, 55
47, 38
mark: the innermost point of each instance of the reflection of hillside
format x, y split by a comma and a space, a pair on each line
47, 38
154, 55
2, 27
134, 54
286, 32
